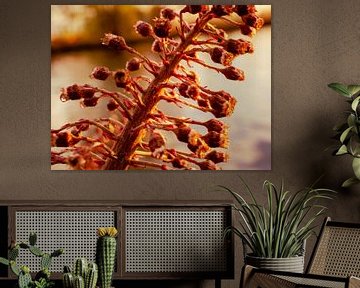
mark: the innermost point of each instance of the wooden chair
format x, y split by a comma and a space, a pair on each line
335, 262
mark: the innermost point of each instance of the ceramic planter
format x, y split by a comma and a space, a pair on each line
291, 264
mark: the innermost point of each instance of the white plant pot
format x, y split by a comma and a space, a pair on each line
291, 264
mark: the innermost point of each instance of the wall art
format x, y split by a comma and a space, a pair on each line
177, 87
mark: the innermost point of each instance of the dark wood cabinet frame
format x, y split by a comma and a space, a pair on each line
8, 210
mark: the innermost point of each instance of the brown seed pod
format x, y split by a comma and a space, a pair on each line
215, 139
182, 133
112, 105
157, 46
253, 20
63, 139
168, 13
122, 78
162, 27
222, 10
156, 141
90, 102
195, 9
133, 64
100, 73
238, 47
219, 55
179, 163
114, 42
233, 73
143, 28
217, 156
242, 10
215, 125
207, 165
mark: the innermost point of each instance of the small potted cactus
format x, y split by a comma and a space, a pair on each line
42, 278
84, 275
106, 254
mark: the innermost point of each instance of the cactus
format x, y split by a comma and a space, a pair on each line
14, 268
84, 274
42, 278
105, 255
32, 238
91, 276
57, 252
24, 246
79, 282
13, 253
67, 269
24, 277
36, 251
80, 268
68, 280
45, 261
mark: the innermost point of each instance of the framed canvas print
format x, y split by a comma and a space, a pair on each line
175, 87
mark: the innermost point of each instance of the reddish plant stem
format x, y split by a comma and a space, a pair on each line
125, 147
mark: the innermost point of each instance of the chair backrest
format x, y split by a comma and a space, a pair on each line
337, 251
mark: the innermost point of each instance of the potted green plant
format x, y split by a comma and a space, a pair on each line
348, 132
275, 234
25, 280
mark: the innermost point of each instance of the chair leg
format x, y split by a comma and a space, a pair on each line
217, 283
246, 273
250, 278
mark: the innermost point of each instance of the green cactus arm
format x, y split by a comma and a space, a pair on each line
81, 266
32, 238
91, 276
36, 251
79, 282
4, 261
25, 269
24, 245
68, 280
14, 268
57, 252
13, 253
45, 261
67, 269
24, 280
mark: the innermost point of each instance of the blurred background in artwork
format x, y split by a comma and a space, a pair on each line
76, 31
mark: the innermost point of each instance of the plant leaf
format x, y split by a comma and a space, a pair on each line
342, 150
353, 89
355, 103
345, 134
4, 261
349, 182
356, 167
354, 145
351, 121
340, 88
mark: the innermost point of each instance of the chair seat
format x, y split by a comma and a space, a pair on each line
315, 282
263, 278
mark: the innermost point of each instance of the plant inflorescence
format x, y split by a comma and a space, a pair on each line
137, 138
